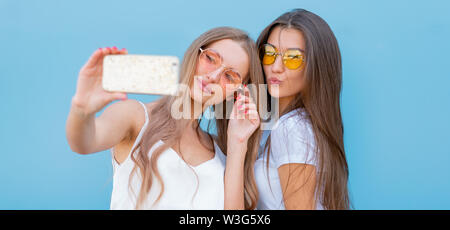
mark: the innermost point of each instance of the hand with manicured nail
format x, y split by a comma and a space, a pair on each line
244, 119
90, 97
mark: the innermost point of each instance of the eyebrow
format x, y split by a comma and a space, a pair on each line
287, 48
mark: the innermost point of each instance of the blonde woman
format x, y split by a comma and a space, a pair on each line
164, 162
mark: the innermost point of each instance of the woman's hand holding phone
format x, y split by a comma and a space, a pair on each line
90, 97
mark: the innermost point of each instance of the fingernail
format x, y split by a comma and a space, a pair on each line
115, 48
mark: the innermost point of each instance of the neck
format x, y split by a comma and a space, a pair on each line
190, 132
196, 110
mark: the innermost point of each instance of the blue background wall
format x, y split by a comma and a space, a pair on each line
395, 104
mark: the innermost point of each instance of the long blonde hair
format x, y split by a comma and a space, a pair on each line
162, 126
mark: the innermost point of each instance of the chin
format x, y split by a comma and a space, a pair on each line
274, 91
197, 96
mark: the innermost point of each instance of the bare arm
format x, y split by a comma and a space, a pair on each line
234, 176
86, 133
298, 182
243, 122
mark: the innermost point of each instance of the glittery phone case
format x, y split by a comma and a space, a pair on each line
141, 74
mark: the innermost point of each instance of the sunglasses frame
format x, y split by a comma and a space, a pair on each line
221, 63
282, 54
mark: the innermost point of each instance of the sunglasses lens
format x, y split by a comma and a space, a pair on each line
230, 77
293, 59
210, 61
269, 55
268, 59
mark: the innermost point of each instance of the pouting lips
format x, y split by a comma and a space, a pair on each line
274, 81
203, 87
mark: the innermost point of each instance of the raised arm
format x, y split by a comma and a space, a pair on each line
243, 122
85, 133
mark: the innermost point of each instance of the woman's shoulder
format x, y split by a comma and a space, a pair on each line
292, 139
295, 122
137, 111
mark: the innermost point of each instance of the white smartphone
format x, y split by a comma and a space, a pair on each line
141, 74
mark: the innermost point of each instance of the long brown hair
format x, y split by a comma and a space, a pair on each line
320, 98
162, 126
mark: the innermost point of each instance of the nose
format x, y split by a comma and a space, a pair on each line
214, 76
277, 66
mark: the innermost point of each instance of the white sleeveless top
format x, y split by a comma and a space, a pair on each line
185, 186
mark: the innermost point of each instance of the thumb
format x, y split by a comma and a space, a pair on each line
118, 96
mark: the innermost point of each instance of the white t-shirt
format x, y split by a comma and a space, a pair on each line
180, 181
292, 141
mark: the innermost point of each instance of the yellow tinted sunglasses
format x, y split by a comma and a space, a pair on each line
293, 58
